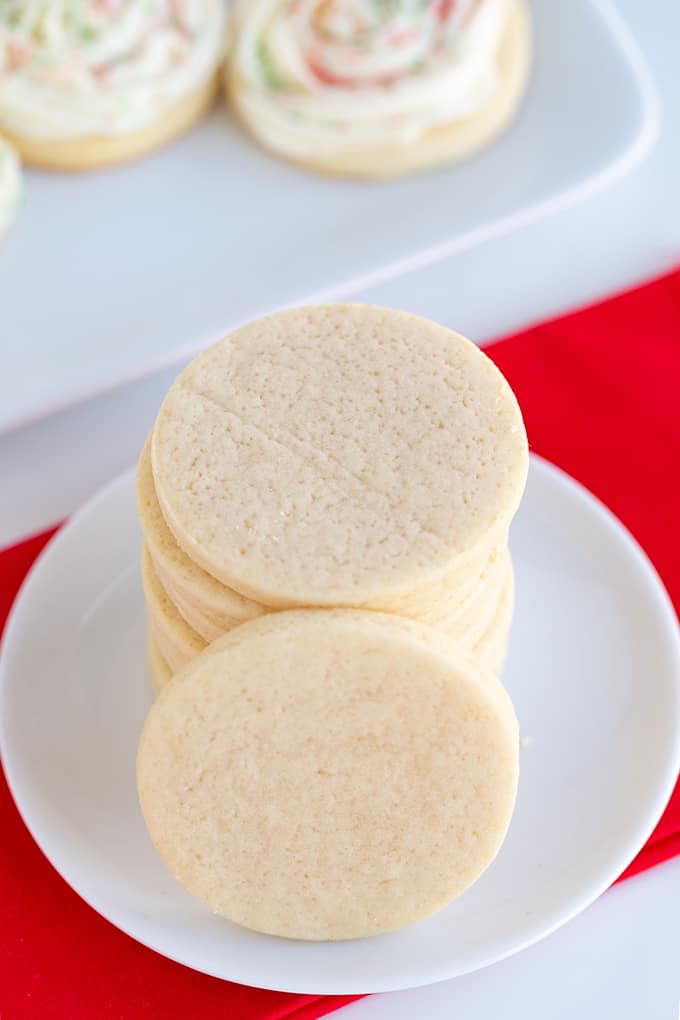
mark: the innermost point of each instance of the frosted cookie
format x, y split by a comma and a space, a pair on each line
329, 774
197, 594
157, 668
177, 642
10, 184
356, 88
92, 83
339, 455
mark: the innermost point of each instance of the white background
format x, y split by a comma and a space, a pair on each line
621, 958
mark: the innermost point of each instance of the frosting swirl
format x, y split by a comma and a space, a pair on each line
10, 183
342, 76
73, 68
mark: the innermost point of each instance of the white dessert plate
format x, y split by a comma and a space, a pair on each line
593, 670
106, 277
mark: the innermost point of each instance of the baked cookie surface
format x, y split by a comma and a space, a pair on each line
339, 455
329, 774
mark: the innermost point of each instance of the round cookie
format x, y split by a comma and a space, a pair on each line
339, 455
207, 628
180, 639
98, 151
329, 774
492, 646
285, 132
90, 84
157, 668
191, 587
470, 618
449, 591
211, 609
177, 642
467, 623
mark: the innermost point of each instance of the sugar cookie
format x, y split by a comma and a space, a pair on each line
362, 89
157, 668
339, 455
190, 587
329, 774
177, 642
492, 646
91, 84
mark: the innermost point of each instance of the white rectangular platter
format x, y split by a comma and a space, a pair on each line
109, 276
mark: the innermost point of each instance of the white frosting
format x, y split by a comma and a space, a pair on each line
74, 68
10, 183
341, 76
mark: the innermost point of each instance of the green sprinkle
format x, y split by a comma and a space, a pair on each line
270, 74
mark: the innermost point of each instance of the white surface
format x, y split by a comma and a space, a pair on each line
591, 620
622, 235
166, 256
620, 957
620, 960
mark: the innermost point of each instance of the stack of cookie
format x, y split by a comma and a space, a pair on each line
337, 456
325, 501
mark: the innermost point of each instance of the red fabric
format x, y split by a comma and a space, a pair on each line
612, 373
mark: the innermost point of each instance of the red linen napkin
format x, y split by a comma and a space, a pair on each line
599, 391
600, 394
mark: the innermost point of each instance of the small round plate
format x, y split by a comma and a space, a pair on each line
593, 670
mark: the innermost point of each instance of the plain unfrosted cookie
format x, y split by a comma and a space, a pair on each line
329, 774
191, 588
448, 591
180, 636
206, 627
157, 668
211, 608
177, 642
339, 455
462, 606
469, 619
492, 646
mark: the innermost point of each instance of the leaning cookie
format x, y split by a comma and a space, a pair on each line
329, 774
92, 84
363, 90
10, 184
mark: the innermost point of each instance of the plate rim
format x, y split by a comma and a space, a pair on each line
664, 611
